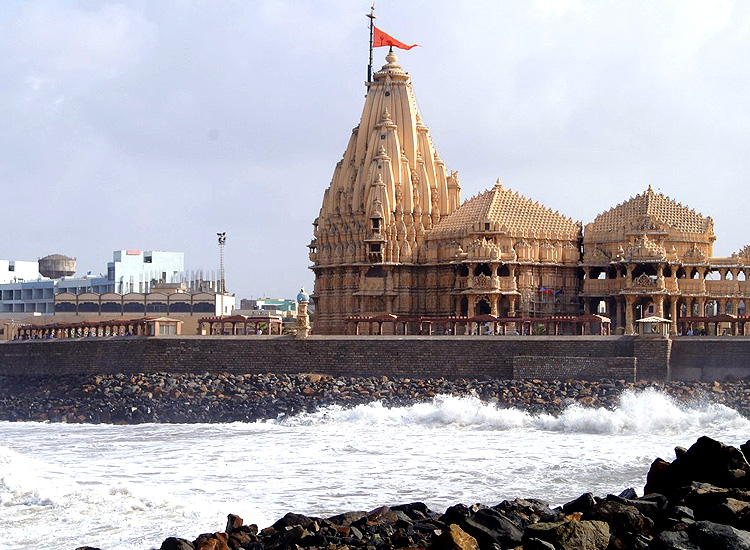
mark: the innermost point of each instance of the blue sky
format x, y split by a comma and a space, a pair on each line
153, 125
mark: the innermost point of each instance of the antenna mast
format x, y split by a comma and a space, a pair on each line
372, 18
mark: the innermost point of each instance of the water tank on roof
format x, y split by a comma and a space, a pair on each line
57, 266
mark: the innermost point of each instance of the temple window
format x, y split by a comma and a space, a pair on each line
482, 269
375, 271
375, 247
375, 224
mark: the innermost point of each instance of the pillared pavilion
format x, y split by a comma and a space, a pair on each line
393, 238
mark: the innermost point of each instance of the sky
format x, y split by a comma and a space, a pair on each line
154, 125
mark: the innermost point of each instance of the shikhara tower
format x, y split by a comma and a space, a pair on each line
386, 241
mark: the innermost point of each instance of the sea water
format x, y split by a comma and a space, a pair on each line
130, 487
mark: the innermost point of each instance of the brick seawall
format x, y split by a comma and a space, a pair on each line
685, 358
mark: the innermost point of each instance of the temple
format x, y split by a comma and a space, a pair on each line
394, 239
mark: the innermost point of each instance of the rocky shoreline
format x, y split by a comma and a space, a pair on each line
699, 501
224, 397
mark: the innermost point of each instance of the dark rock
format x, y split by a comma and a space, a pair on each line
582, 504
212, 541
347, 518
570, 535
455, 538
290, 520
383, 515
673, 540
714, 536
708, 461
645, 507
173, 543
628, 494
415, 511
490, 526
523, 512
537, 544
458, 513
233, 523
625, 522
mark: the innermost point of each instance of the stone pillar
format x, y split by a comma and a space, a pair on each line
722, 306
673, 314
659, 300
629, 325
615, 315
512, 306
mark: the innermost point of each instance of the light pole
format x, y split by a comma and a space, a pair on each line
222, 241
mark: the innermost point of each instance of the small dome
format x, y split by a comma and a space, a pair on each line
303, 297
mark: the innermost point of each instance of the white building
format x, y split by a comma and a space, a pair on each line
18, 271
136, 270
23, 289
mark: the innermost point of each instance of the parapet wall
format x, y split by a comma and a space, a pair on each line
407, 356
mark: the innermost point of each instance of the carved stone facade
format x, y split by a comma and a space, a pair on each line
393, 237
652, 256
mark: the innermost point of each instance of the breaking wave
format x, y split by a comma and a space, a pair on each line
637, 412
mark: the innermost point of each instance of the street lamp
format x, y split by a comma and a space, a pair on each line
222, 241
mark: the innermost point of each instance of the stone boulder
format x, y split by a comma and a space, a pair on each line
707, 461
568, 535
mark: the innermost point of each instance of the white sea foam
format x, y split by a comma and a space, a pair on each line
638, 412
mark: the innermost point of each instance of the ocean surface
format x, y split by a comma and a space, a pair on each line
130, 487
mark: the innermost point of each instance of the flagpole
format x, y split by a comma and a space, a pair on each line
372, 18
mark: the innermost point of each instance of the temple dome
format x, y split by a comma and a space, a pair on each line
511, 213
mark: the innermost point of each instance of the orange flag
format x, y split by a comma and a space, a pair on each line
379, 38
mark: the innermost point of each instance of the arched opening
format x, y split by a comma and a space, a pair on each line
482, 269
483, 307
464, 306
694, 273
112, 307
667, 271
462, 271
644, 269
681, 273
503, 271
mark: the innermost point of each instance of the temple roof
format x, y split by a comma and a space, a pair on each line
513, 212
390, 161
653, 205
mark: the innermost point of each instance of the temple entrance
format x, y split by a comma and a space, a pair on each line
483, 307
